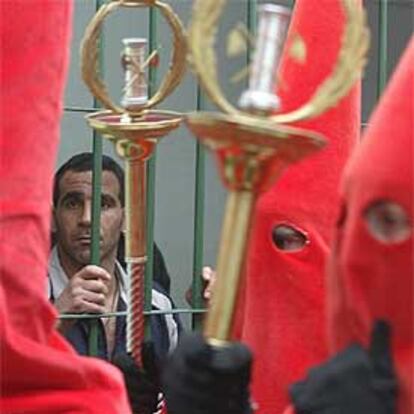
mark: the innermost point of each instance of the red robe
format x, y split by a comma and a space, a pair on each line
40, 372
283, 318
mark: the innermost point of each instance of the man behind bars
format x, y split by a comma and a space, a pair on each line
75, 286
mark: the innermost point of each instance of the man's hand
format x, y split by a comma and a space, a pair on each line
86, 291
208, 277
355, 381
201, 379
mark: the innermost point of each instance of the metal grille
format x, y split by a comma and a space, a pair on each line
391, 24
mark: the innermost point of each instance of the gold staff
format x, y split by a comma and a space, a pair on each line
252, 145
135, 129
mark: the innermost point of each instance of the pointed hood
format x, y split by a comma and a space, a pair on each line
372, 272
40, 371
284, 299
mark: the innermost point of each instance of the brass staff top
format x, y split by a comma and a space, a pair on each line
351, 59
252, 146
90, 53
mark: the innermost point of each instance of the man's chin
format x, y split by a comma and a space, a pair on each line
83, 257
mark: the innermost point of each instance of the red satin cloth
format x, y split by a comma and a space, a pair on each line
284, 312
40, 372
370, 279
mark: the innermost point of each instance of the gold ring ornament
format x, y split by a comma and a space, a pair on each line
352, 58
90, 52
255, 143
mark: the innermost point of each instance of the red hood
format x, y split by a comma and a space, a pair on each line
41, 371
284, 300
371, 279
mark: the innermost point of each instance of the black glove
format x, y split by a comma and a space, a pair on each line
353, 382
143, 386
201, 379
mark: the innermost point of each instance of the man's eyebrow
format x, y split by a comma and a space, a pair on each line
109, 197
77, 195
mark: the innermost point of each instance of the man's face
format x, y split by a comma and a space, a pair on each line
72, 217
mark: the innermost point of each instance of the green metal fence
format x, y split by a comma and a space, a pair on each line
381, 34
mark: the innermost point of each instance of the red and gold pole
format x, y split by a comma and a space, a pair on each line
135, 247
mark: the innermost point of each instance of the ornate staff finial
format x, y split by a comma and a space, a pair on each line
136, 89
272, 31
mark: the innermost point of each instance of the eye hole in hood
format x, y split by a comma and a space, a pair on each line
387, 222
288, 238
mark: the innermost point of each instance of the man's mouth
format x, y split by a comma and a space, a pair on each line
84, 239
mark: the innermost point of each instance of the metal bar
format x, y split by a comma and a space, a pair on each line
96, 218
96, 199
382, 47
152, 79
125, 313
251, 25
79, 109
96, 224
197, 283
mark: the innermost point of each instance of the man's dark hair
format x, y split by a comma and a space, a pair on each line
84, 162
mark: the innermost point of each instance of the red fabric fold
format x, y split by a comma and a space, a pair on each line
40, 372
371, 279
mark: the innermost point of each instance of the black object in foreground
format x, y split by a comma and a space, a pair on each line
356, 381
201, 379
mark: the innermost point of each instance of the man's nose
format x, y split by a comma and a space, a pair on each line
86, 214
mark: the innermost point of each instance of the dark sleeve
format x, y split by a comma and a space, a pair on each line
160, 272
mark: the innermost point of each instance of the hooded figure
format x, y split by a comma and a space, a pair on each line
284, 319
372, 272
283, 310
40, 371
